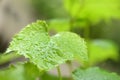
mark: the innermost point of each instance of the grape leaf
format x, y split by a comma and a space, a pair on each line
101, 50
94, 74
93, 10
34, 43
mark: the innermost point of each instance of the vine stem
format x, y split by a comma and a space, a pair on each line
87, 33
5, 58
87, 36
59, 73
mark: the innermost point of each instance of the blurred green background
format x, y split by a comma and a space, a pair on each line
97, 21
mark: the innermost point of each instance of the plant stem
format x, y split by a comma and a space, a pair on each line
59, 73
87, 38
87, 33
4, 58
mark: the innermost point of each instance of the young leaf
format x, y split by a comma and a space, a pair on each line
101, 50
94, 74
93, 10
34, 43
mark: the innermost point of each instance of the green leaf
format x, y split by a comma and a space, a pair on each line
31, 72
45, 52
12, 73
101, 50
34, 43
70, 43
20, 71
93, 10
30, 41
59, 25
94, 74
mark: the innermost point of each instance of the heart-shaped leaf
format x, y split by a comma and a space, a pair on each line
45, 52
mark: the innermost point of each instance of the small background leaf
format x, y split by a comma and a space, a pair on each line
94, 74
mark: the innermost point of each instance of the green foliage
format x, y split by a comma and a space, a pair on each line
47, 52
93, 10
44, 51
101, 50
94, 74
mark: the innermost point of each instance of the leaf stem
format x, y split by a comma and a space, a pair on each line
87, 34
59, 73
87, 38
4, 58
